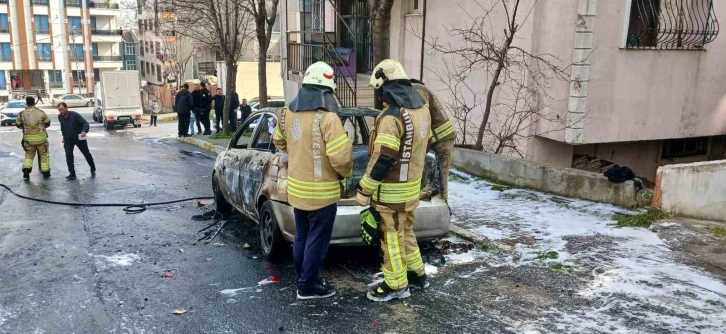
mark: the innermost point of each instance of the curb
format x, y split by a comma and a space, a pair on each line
203, 144
160, 119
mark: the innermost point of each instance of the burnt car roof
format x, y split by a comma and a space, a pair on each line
343, 112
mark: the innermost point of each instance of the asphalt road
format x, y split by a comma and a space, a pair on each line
96, 270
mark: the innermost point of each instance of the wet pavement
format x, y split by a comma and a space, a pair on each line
99, 270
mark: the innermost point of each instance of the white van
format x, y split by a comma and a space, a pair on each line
118, 99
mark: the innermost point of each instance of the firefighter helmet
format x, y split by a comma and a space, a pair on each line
320, 74
387, 70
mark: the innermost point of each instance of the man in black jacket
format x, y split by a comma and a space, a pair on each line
74, 128
202, 106
184, 105
233, 105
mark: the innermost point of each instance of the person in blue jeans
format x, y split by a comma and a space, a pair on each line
218, 103
193, 119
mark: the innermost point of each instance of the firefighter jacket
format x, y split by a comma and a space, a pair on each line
441, 127
33, 121
320, 156
398, 153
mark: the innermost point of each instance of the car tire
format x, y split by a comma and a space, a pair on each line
272, 244
107, 125
222, 205
89, 104
95, 119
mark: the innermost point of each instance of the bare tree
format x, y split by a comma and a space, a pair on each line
380, 11
463, 101
221, 25
264, 13
509, 68
175, 53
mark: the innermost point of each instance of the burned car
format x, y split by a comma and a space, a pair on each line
251, 177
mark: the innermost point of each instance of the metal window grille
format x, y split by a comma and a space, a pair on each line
671, 24
317, 15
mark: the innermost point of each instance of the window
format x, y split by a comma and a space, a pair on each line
4, 23
141, 48
5, 54
148, 68
78, 77
74, 22
3, 83
244, 137
415, 6
143, 70
671, 24
276, 26
686, 147
158, 73
41, 24
77, 52
130, 65
153, 69
263, 139
55, 78
93, 22
130, 48
45, 52
157, 46
94, 49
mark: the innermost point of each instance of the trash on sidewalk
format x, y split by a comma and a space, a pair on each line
179, 310
272, 279
168, 274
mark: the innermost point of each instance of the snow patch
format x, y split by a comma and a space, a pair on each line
117, 260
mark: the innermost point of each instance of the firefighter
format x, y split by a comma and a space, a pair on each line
442, 137
392, 181
33, 122
320, 159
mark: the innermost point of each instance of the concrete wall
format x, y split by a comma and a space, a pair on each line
695, 190
557, 180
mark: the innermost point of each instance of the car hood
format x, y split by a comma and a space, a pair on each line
12, 110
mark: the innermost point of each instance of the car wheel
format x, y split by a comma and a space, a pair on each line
107, 125
89, 104
273, 245
223, 206
95, 119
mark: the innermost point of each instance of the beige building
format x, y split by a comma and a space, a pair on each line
57, 46
645, 84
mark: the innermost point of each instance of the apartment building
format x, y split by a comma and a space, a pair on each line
646, 81
56, 46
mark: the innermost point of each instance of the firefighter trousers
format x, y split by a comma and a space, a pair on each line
399, 246
443, 150
43, 155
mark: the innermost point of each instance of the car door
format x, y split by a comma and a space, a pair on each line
71, 100
255, 162
233, 160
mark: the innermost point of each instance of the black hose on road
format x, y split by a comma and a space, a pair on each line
128, 208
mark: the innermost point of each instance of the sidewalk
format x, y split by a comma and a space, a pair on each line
205, 142
170, 117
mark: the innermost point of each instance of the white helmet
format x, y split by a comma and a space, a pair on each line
320, 74
387, 70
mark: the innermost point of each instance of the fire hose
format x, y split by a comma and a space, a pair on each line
129, 208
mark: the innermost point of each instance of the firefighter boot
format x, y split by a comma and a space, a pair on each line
26, 173
46, 174
383, 293
415, 281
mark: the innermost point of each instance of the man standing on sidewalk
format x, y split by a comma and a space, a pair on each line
183, 105
218, 102
202, 107
245, 110
320, 156
74, 129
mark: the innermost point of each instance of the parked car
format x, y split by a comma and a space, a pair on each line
73, 100
272, 102
251, 177
11, 111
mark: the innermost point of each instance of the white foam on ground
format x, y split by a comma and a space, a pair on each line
640, 276
116, 260
234, 292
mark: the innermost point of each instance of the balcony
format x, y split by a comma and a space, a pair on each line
73, 3
106, 58
55, 84
106, 32
108, 5
6, 58
4, 30
42, 31
37, 2
45, 58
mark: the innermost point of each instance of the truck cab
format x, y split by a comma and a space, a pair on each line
118, 99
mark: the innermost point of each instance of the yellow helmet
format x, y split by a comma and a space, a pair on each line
387, 70
320, 74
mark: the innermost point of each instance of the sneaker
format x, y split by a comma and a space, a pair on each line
70, 177
93, 172
315, 292
383, 293
415, 281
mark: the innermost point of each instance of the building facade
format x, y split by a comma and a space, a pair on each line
643, 82
56, 46
130, 50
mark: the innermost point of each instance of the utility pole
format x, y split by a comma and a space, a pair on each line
75, 56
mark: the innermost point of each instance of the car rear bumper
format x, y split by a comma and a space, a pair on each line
432, 221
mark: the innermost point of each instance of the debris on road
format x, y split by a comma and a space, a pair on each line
219, 244
168, 274
272, 279
179, 310
448, 247
246, 246
181, 250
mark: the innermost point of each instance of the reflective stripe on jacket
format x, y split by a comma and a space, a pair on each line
398, 153
33, 121
441, 127
320, 155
